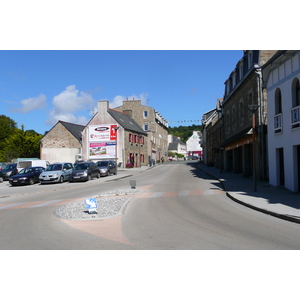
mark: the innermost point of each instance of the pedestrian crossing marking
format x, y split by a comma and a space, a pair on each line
44, 203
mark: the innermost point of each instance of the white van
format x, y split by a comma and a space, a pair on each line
32, 163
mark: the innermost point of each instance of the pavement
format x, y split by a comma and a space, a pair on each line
276, 201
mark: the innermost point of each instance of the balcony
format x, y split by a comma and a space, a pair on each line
278, 123
295, 117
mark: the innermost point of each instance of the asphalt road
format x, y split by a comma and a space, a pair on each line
180, 208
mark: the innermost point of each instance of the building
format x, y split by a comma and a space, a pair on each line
176, 146
193, 145
62, 143
281, 77
212, 124
154, 124
110, 132
244, 111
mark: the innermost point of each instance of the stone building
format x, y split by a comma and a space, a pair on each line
62, 143
281, 77
244, 102
154, 124
113, 134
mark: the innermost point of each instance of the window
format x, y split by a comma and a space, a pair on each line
250, 59
241, 70
146, 127
278, 112
227, 122
233, 117
250, 102
233, 79
296, 92
145, 114
241, 111
227, 87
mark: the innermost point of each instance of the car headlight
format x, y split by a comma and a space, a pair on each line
8, 173
55, 175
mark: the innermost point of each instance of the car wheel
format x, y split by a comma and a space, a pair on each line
98, 175
61, 179
1, 179
89, 177
31, 181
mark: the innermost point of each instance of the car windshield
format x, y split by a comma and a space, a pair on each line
9, 167
102, 163
54, 167
26, 171
81, 166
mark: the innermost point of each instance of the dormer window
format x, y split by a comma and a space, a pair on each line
233, 79
250, 59
228, 87
241, 69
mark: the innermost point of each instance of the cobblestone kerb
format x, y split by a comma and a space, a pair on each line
110, 204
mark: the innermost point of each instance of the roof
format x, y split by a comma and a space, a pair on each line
126, 122
75, 129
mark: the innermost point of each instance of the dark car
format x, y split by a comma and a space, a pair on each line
27, 176
107, 167
9, 170
84, 171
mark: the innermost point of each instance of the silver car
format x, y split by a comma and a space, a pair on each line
57, 172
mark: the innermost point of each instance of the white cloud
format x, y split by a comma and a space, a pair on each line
67, 103
29, 104
118, 100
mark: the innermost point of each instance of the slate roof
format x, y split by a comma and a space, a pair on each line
75, 129
126, 122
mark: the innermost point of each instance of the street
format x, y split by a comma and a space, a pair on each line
179, 207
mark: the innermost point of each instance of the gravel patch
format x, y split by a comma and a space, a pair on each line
107, 207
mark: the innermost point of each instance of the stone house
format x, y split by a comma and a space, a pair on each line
113, 134
152, 122
281, 78
62, 143
244, 105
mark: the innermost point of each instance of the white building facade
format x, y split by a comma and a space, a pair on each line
281, 77
193, 145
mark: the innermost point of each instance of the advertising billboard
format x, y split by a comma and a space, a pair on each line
102, 141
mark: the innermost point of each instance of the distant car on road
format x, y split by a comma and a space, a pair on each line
27, 176
57, 172
9, 170
84, 171
2, 165
107, 167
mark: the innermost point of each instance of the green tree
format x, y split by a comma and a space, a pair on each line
21, 144
184, 132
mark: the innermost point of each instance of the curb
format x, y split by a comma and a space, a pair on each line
262, 210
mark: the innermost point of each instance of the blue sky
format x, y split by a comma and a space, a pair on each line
40, 87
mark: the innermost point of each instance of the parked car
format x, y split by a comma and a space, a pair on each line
9, 170
27, 176
84, 171
2, 165
57, 172
107, 167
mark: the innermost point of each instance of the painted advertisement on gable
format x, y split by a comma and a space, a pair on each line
104, 132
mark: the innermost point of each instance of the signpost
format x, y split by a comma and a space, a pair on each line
91, 205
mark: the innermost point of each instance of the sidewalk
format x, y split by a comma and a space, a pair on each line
276, 201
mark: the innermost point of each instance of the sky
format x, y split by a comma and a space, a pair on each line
40, 87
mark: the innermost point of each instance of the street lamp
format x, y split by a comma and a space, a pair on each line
116, 154
253, 108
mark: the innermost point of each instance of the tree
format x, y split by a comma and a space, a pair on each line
184, 132
7, 128
21, 144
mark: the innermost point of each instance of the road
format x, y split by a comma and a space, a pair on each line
180, 207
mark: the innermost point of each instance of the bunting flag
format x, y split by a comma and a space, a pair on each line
184, 121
